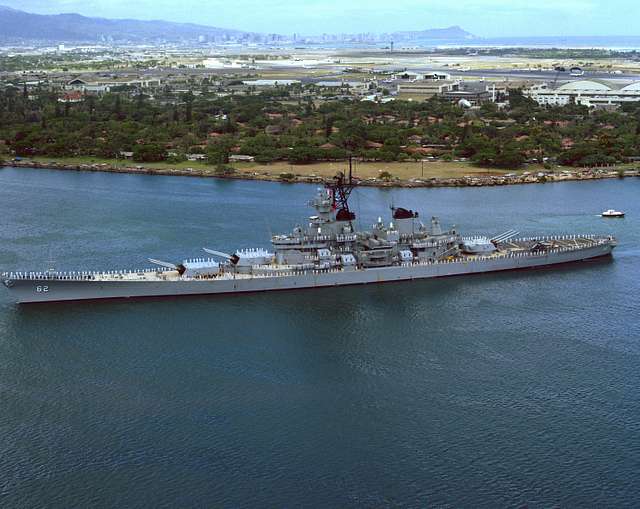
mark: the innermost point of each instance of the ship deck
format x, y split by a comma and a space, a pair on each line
566, 242
523, 247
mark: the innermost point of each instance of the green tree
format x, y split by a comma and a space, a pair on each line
149, 153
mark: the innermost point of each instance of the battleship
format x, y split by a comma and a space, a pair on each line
328, 251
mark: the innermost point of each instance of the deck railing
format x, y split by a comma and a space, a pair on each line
79, 275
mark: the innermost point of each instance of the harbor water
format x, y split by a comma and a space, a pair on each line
504, 390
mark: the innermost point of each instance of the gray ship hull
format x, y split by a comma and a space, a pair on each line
31, 290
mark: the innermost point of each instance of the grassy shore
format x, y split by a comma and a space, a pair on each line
365, 170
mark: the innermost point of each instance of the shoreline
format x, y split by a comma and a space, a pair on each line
464, 181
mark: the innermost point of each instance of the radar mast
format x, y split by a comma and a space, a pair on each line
340, 190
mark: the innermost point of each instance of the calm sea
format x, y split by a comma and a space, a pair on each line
507, 390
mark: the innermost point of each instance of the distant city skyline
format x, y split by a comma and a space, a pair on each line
485, 18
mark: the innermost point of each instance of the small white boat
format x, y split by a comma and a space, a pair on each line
612, 213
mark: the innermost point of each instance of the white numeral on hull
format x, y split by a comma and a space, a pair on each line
42, 289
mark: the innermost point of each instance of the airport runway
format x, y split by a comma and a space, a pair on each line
539, 75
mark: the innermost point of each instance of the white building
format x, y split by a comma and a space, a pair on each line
428, 88
100, 85
240, 158
591, 93
419, 76
270, 83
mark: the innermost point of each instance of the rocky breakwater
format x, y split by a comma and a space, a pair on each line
508, 179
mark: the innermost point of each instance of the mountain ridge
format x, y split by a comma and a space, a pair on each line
72, 27
448, 33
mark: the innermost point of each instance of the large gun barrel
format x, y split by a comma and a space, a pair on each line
167, 265
234, 258
503, 237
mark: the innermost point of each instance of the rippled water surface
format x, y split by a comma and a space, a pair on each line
500, 390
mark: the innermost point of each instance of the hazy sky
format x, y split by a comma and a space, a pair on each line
489, 18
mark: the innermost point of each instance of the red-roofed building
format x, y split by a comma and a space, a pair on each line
75, 96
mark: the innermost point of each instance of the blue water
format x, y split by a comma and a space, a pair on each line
502, 390
613, 42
